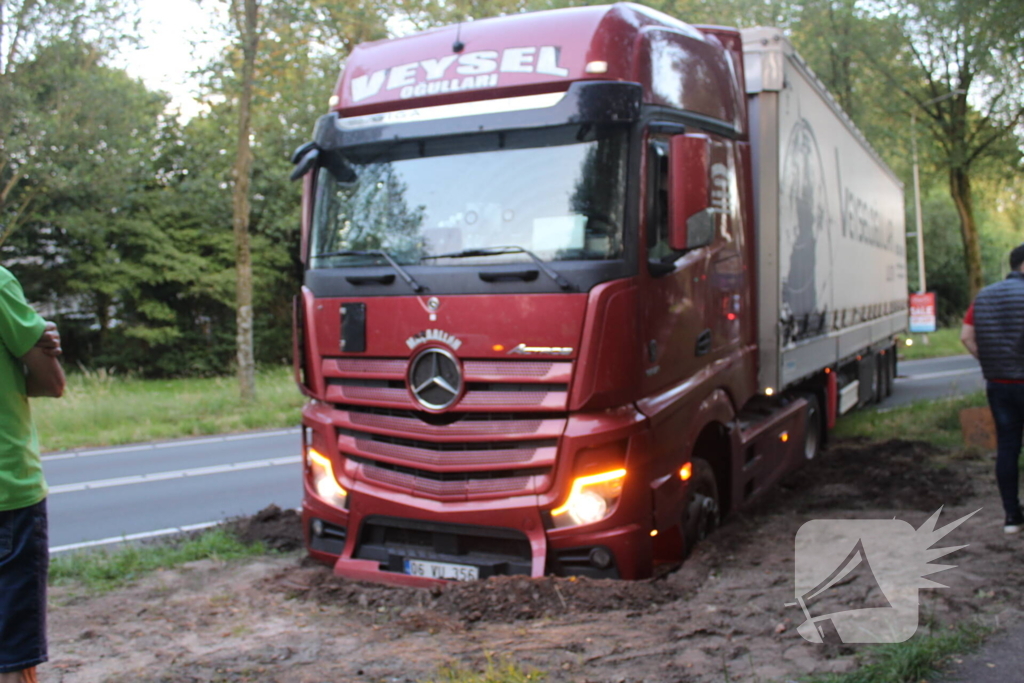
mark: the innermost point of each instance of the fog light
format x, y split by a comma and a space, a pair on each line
324, 482
591, 499
601, 558
318, 527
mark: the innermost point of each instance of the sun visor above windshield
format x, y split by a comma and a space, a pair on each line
596, 102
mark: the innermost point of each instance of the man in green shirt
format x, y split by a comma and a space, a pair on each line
29, 347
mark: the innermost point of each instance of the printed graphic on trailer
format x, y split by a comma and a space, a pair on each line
858, 580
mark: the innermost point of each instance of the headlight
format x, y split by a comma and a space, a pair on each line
591, 499
324, 482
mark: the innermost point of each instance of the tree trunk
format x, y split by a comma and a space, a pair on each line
240, 206
960, 191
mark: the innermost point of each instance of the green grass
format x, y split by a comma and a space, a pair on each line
942, 342
99, 409
500, 670
934, 421
100, 570
913, 661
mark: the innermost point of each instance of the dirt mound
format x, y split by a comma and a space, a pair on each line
277, 529
502, 598
894, 474
498, 599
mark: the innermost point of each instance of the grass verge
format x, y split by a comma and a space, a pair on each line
99, 409
934, 421
938, 344
101, 570
913, 661
500, 670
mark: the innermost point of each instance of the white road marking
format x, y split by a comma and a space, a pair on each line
174, 474
184, 443
937, 375
133, 537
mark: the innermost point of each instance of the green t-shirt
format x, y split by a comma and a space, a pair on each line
21, 471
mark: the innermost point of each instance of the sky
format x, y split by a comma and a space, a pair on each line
177, 37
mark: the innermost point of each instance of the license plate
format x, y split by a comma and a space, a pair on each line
442, 570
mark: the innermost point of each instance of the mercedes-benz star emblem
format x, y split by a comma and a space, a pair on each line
435, 379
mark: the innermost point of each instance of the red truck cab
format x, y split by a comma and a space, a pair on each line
528, 325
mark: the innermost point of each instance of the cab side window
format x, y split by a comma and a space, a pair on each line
658, 248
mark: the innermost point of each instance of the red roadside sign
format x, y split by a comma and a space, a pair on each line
922, 312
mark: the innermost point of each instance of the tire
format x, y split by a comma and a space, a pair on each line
890, 371
812, 427
702, 515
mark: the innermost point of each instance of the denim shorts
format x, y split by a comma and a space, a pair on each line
24, 563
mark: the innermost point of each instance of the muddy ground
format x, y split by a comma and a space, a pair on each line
721, 617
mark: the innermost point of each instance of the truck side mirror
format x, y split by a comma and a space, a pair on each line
691, 223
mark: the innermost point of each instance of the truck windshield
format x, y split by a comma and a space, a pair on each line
547, 192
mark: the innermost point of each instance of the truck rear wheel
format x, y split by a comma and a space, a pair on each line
702, 514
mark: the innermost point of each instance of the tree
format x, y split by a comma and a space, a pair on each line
27, 28
961, 67
245, 16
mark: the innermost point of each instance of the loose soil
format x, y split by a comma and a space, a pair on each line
720, 617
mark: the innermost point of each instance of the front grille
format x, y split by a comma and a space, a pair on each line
500, 439
495, 551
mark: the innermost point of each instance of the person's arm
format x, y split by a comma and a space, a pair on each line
45, 376
50, 341
967, 337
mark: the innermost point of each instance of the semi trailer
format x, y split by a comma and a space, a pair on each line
577, 284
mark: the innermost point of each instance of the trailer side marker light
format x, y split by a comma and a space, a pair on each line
828, 370
498, 347
731, 316
597, 68
784, 437
654, 532
686, 471
324, 481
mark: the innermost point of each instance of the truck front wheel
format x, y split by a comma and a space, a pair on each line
702, 509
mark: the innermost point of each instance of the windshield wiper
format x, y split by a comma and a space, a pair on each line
496, 251
416, 287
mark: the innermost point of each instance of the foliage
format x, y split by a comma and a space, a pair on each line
915, 660
496, 670
101, 570
101, 409
944, 342
934, 421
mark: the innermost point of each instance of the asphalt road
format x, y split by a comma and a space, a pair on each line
104, 496
919, 380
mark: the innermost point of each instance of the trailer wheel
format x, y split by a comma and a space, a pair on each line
812, 427
702, 514
888, 362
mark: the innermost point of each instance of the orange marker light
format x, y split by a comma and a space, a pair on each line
498, 347
654, 532
686, 471
784, 437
